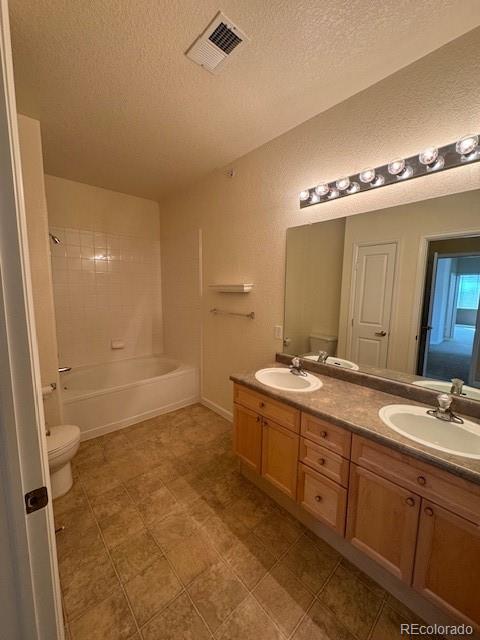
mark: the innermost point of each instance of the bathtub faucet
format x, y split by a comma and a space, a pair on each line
64, 369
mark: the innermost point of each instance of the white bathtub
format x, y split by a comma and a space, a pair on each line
106, 397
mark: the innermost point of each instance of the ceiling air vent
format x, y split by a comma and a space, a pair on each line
212, 49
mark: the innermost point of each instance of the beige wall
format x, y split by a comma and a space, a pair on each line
106, 273
244, 218
313, 282
407, 225
38, 244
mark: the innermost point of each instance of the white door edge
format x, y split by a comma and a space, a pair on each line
33, 608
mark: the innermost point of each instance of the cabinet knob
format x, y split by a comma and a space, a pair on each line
323, 434
422, 480
321, 461
261, 404
258, 418
428, 511
318, 498
410, 502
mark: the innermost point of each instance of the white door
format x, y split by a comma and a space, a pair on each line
30, 605
372, 294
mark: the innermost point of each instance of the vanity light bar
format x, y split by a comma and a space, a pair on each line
431, 160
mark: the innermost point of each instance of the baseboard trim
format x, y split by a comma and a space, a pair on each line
121, 424
228, 415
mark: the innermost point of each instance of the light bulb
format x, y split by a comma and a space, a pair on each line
439, 164
406, 173
378, 181
314, 199
466, 145
367, 175
428, 156
304, 195
353, 188
322, 189
334, 193
396, 166
343, 183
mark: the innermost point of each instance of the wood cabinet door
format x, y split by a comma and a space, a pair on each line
382, 521
247, 437
279, 457
447, 565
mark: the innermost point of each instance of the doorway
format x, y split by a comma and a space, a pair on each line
448, 330
371, 303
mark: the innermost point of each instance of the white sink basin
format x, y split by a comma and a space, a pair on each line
444, 387
338, 362
278, 378
415, 423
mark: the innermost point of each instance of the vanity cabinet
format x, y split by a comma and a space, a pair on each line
447, 565
247, 437
419, 522
266, 438
382, 521
279, 457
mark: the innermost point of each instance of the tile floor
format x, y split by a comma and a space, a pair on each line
165, 540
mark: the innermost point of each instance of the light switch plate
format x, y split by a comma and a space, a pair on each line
278, 331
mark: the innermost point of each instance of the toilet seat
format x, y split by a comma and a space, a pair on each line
62, 438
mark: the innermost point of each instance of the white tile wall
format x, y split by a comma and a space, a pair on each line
106, 287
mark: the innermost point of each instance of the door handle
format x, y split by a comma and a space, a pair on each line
381, 334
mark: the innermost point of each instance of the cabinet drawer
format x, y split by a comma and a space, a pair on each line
328, 435
279, 412
323, 498
446, 489
324, 461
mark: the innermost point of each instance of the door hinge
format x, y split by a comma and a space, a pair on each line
36, 499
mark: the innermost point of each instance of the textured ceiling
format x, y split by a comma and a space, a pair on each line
121, 107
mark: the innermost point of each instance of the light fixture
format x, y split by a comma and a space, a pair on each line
334, 193
322, 189
353, 188
466, 145
428, 156
378, 181
431, 159
367, 175
343, 183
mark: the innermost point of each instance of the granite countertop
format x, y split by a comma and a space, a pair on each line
355, 408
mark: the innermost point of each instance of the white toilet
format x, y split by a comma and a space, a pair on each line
62, 444
321, 342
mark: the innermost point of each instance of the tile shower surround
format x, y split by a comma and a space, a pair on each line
106, 287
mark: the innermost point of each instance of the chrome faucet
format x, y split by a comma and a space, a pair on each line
322, 356
296, 367
457, 387
444, 411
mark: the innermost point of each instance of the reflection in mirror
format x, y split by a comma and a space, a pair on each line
393, 292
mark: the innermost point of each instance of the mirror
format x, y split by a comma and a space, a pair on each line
393, 292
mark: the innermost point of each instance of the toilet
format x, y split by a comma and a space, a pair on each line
62, 444
320, 342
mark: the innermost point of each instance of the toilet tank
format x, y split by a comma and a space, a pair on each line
320, 342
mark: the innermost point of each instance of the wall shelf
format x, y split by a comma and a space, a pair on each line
231, 288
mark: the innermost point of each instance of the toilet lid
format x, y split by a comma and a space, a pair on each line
62, 436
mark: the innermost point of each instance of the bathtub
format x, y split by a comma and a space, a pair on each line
106, 397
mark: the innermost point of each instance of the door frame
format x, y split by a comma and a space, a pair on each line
353, 284
419, 291
32, 607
